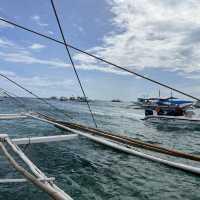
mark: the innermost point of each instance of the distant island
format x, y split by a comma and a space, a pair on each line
77, 99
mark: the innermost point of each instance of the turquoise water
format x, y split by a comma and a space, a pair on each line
87, 170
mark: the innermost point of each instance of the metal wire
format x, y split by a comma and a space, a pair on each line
33, 94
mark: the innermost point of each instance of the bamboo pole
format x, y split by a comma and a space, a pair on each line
44, 139
133, 142
50, 191
121, 147
22, 180
125, 139
35, 169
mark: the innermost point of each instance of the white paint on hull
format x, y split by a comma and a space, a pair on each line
173, 120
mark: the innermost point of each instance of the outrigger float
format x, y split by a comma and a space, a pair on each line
118, 142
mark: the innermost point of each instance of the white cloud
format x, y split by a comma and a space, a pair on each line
100, 68
154, 34
37, 46
149, 34
27, 58
5, 25
38, 21
82, 58
18, 54
7, 73
11, 46
50, 32
4, 42
79, 28
36, 17
42, 85
190, 75
44, 82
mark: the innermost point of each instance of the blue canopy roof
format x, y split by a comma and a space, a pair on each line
174, 101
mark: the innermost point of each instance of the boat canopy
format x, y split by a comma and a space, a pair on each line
173, 101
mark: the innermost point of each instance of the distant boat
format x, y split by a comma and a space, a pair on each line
116, 100
79, 99
53, 98
72, 98
63, 99
82, 99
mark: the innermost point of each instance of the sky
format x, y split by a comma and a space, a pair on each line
157, 38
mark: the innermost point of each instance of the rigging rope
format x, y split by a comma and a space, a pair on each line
22, 104
101, 59
14, 97
33, 94
72, 62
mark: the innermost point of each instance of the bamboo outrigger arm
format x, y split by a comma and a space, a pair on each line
38, 178
44, 139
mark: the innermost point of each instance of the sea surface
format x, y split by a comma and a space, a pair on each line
90, 171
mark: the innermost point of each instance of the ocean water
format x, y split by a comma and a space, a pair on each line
90, 171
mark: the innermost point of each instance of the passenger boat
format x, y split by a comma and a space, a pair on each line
172, 116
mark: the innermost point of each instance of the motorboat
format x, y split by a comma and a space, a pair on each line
172, 116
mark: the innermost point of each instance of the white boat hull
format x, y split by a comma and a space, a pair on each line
173, 120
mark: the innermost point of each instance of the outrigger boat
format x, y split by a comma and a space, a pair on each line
173, 115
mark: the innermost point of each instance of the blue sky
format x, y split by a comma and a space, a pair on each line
157, 38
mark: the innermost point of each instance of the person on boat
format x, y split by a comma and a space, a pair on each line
171, 112
159, 111
176, 111
179, 111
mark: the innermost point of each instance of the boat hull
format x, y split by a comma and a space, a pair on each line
172, 120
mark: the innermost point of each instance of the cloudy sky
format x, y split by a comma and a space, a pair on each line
157, 38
